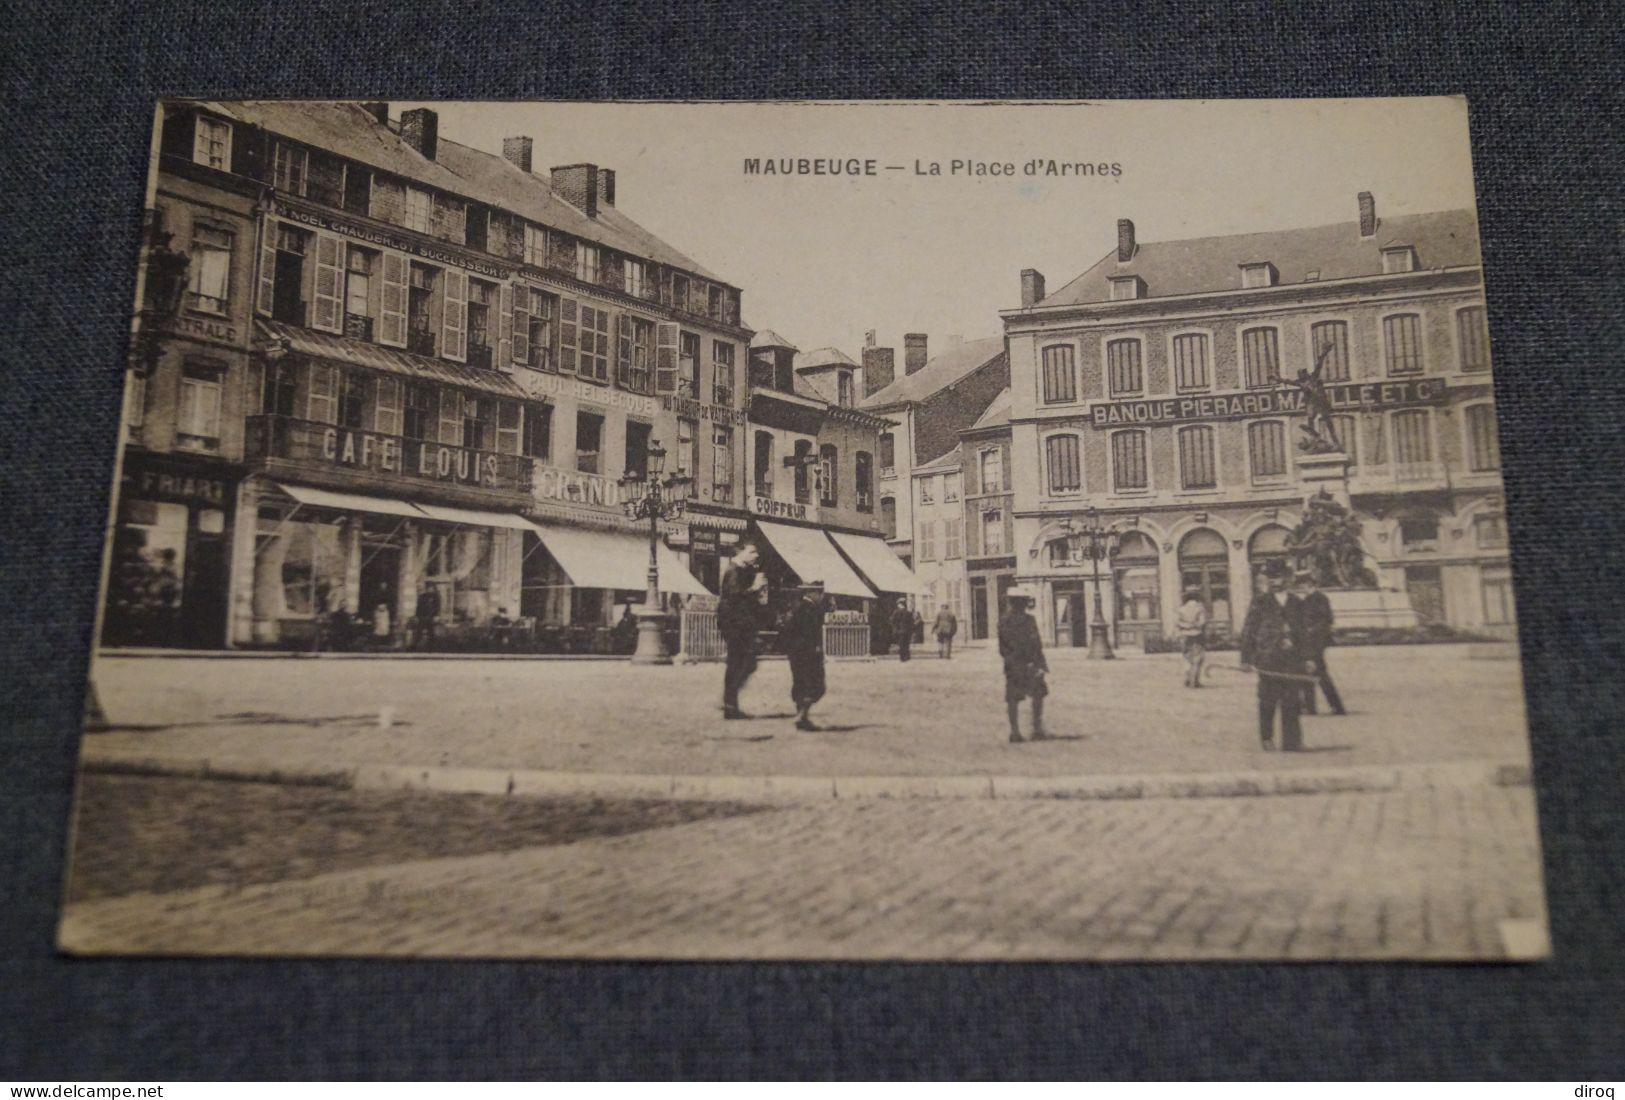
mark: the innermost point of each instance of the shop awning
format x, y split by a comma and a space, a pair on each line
809, 552
474, 517
605, 559
351, 502
875, 560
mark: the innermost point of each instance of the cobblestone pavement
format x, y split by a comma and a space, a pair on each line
1411, 704
1445, 872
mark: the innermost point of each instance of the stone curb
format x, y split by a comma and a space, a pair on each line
803, 789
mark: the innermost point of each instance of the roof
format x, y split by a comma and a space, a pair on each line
767, 338
1447, 238
939, 372
820, 358
947, 460
997, 414
349, 130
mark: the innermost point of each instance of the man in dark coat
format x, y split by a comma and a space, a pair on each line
902, 624
1312, 622
739, 596
1268, 645
802, 639
428, 610
1024, 663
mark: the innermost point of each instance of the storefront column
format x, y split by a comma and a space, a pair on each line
1172, 593
352, 565
244, 539
1241, 584
406, 584
267, 586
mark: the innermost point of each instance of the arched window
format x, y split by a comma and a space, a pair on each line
1196, 467
1269, 543
1064, 464
1260, 358
1204, 572
1483, 442
1123, 368
1402, 340
1060, 379
1129, 471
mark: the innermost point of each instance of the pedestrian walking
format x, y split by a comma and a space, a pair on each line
802, 638
1192, 628
945, 627
740, 594
1268, 647
902, 624
1025, 668
1313, 625
427, 611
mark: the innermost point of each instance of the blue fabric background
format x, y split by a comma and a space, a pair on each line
1544, 86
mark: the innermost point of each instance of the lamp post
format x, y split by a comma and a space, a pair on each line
164, 284
655, 499
1099, 541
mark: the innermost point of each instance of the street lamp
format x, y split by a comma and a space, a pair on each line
655, 499
165, 286
1099, 542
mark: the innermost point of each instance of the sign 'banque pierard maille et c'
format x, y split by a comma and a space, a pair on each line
1344, 396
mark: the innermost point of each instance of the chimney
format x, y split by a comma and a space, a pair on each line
577, 184
516, 151
1032, 287
421, 130
1368, 215
879, 368
606, 186
913, 351
1125, 240
379, 111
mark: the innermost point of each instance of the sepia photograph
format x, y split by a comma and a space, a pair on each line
808, 530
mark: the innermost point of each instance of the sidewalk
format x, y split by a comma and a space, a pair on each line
929, 728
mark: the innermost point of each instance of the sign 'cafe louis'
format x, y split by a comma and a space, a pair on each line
363, 450
1344, 397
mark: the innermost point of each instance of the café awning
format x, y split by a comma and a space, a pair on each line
351, 502
606, 559
814, 558
475, 517
875, 560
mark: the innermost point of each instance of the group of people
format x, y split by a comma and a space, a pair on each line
1284, 639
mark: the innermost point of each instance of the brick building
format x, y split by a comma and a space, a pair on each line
404, 365
1151, 387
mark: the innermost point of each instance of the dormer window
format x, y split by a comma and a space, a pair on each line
1257, 275
1127, 287
211, 145
1398, 259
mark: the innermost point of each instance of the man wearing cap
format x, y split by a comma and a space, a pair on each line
738, 598
1192, 627
1267, 645
1312, 623
1024, 663
802, 638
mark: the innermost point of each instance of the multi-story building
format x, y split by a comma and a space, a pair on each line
1155, 388
939, 533
934, 399
405, 365
812, 474
990, 562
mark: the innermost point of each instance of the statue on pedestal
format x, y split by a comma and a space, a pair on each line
1327, 543
1319, 435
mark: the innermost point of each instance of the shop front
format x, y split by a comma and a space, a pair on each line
169, 579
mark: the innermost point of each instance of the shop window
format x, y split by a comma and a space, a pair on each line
991, 465
212, 143
1060, 376
688, 365
312, 568
1196, 466
637, 449
1330, 338
1261, 358
722, 469
688, 448
635, 354
993, 532
828, 475
538, 428
1496, 582
1061, 459
864, 465
722, 372
1402, 340
888, 516
1123, 368
290, 168
586, 262
1483, 442
197, 426
1190, 362
1129, 469
1473, 338
1266, 449
209, 273
1490, 531
589, 442
953, 538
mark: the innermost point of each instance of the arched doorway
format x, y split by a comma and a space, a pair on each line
1267, 544
1204, 566
1138, 594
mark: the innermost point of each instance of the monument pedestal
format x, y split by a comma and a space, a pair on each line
1328, 471
1353, 608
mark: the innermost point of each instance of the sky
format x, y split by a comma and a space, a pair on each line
823, 259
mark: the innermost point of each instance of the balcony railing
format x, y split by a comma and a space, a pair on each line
479, 355
358, 328
420, 341
313, 443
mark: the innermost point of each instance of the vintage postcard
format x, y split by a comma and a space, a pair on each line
809, 531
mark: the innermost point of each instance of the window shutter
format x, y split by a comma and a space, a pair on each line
623, 352
266, 298
392, 314
666, 357
454, 343
327, 310
504, 352
521, 324
567, 335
